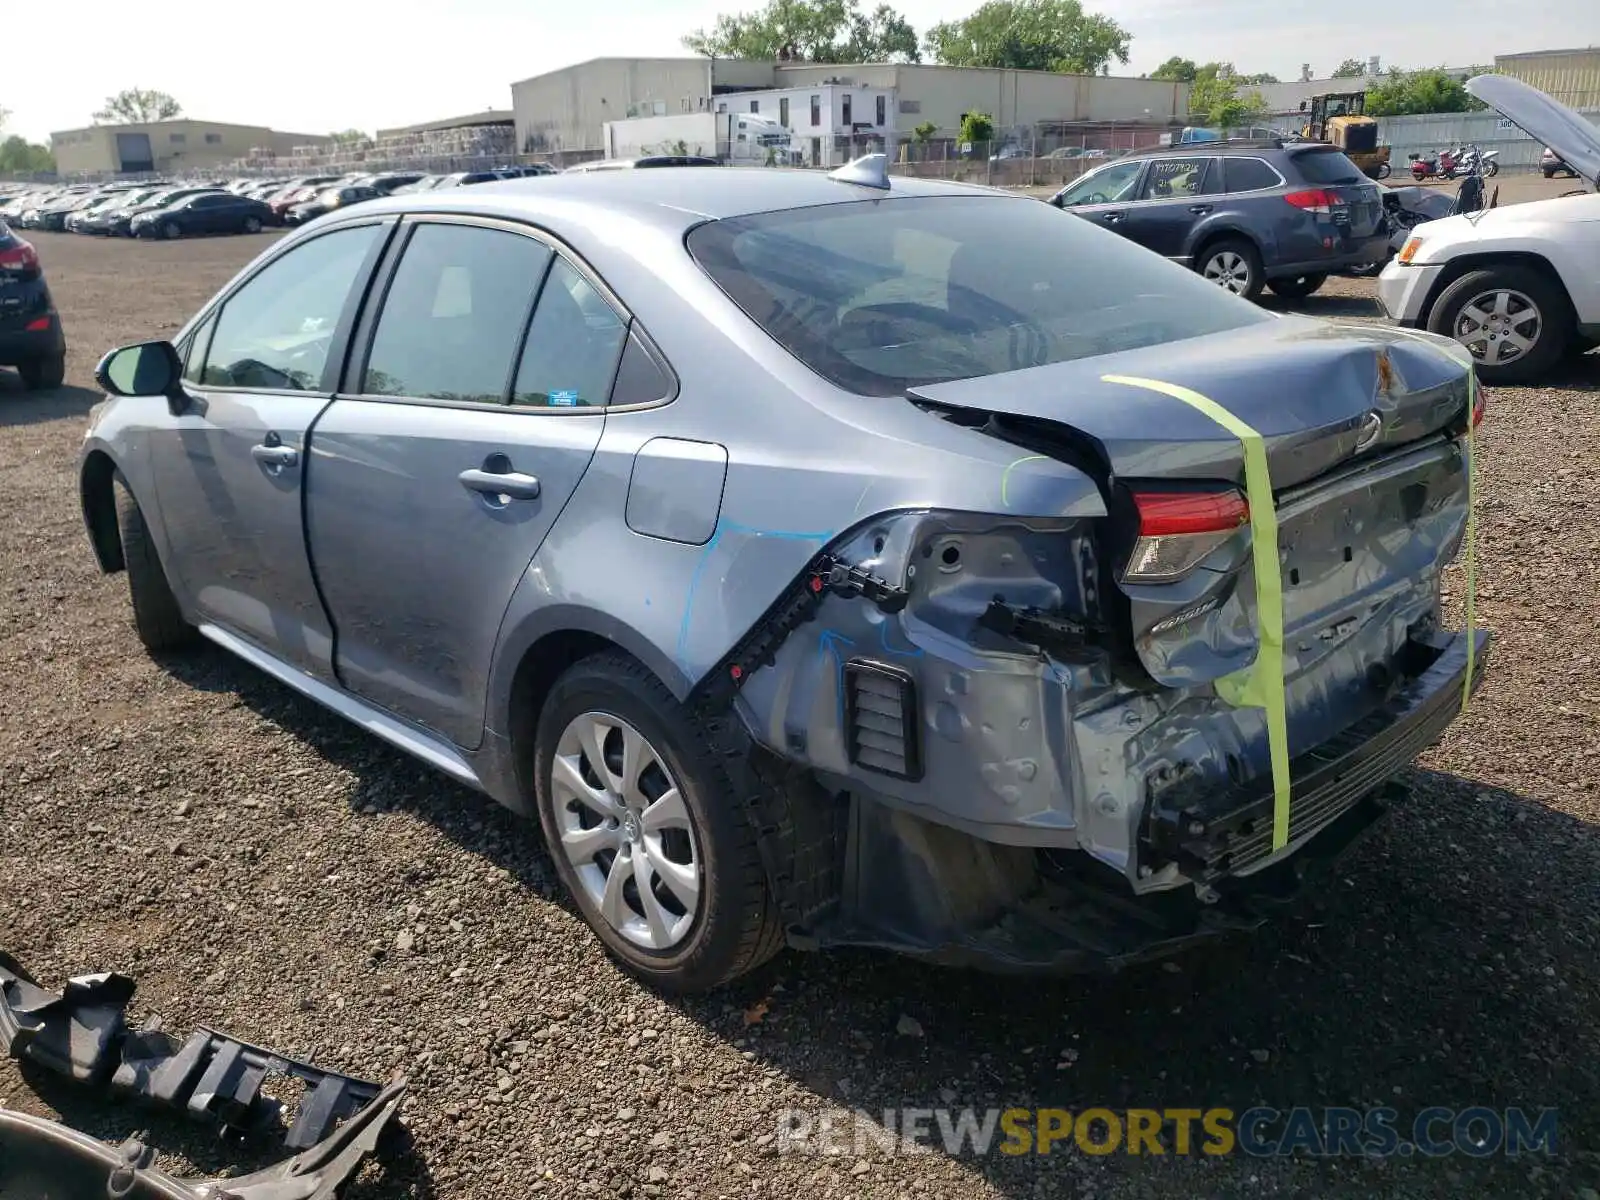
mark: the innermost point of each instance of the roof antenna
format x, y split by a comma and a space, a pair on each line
870, 170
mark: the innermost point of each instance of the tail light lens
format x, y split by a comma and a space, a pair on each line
1477, 409
1177, 530
1316, 200
21, 257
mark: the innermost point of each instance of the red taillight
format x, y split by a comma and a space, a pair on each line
1477, 411
1163, 514
21, 257
1315, 200
38, 325
1177, 530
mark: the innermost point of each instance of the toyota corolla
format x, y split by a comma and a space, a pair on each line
819, 559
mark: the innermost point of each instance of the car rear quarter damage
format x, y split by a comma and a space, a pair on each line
1024, 757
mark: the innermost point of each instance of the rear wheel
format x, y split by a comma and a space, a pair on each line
646, 831
156, 616
1234, 265
42, 374
1384, 170
1296, 287
1513, 319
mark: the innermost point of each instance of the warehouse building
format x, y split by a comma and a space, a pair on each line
1570, 76
167, 147
565, 111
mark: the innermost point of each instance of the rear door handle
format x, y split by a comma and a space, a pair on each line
496, 483
274, 455
1200, 209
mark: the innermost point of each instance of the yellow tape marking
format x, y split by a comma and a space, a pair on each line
1261, 684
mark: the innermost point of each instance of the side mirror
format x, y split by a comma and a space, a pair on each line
144, 369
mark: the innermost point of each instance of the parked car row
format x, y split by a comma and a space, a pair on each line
174, 209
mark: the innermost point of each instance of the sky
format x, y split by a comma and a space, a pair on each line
342, 64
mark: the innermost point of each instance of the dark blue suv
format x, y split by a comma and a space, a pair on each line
1245, 214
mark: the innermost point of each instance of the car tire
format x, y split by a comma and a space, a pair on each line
252, 224
1506, 292
43, 374
1296, 287
156, 617
171, 230
703, 935
1234, 265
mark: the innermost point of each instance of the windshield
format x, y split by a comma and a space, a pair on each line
883, 296
1327, 166
1104, 186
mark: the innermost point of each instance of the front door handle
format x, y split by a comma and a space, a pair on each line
274, 455
1200, 209
1111, 218
498, 483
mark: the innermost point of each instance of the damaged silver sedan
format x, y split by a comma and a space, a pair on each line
822, 559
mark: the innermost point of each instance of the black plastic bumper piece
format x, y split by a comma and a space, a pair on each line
1215, 832
81, 1032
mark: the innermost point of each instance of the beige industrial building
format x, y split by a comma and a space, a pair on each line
1570, 76
566, 110
167, 147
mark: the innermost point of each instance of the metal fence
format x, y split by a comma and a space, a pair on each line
1487, 130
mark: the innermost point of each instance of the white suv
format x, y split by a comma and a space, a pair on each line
1517, 286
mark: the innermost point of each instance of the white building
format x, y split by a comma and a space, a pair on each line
831, 123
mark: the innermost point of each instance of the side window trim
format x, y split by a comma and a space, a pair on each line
342, 330
1272, 187
348, 384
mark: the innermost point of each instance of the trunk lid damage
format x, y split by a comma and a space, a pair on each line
1358, 425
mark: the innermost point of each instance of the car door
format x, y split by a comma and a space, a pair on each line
231, 467
1103, 196
202, 212
1174, 194
445, 462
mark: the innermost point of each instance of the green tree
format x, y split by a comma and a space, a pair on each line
1175, 69
924, 132
138, 106
977, 127
349, 135
1403, 93
1216, 100
1032, 35
810, 31
1351, 68
20, 156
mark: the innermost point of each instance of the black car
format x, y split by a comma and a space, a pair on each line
327, 200
209, 212
120, 220
1244, 214
30, 330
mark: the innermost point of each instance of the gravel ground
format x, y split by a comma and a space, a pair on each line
260, 866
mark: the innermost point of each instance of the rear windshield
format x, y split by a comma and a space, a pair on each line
1327, 166
886, 295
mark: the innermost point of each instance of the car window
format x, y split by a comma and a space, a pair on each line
194, 355
1105, 186
640, 378
573, 343
1248, 175
453, 313
1327, 166
1170, 177
277, 330
904, 293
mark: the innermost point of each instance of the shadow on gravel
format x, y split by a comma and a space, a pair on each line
19, 406
1322, 306
194, 1151
1453, 961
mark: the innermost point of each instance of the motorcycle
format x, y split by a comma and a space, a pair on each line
1473, 161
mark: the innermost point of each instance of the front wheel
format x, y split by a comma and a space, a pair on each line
156, 616
646, 830
252, 224
1491, 169
1296, 287
1234, 265
1384, 170
171, 230
1513, 319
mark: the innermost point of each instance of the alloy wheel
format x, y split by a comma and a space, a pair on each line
1228, 269
626, 831
1499, 326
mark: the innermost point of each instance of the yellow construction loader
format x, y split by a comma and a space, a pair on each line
1340, 119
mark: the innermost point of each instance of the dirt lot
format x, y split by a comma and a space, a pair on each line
251, 860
